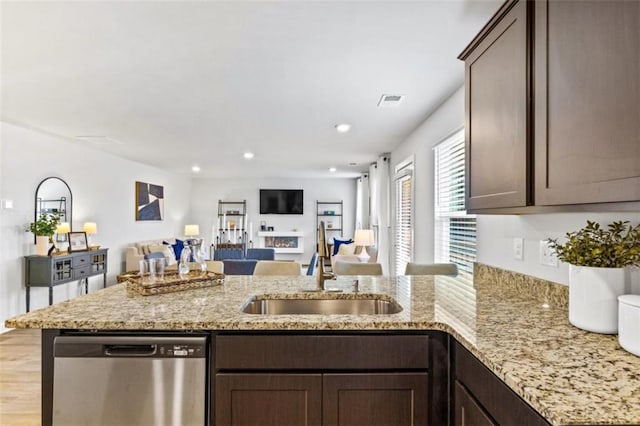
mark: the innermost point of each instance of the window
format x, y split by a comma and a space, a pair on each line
404, 212
455, 230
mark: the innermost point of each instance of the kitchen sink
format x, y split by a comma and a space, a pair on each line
370, 305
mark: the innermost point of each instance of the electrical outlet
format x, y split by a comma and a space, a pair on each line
547, 256
518, 248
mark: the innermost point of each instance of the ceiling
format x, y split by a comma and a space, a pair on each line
178, 83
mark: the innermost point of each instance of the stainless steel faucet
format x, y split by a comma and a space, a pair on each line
322, 255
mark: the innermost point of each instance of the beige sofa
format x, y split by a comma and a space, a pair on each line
136, 252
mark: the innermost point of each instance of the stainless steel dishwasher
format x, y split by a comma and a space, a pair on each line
129, 380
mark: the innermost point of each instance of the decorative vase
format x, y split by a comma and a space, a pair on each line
42, 245
593, 297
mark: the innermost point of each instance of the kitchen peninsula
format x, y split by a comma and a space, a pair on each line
566, 375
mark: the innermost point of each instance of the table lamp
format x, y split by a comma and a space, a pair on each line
90, 228
191, 231
364, 238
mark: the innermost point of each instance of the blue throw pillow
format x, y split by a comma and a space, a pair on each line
337, 243
177, 248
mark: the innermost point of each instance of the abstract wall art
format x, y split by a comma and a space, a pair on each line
149, 201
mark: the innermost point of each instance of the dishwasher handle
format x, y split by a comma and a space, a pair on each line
130, 350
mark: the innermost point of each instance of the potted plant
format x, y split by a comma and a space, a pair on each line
43, 228
597, 260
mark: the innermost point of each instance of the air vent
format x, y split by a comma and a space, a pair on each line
99, 140
390, 100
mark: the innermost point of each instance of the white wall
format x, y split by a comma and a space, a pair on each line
103, 189
207, 192
495, 233
442, 123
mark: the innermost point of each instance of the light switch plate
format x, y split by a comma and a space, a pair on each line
518, 248
547, 256
7, 204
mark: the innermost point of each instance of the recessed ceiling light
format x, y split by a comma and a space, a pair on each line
343, 127
332, 169
248, 155
195, 169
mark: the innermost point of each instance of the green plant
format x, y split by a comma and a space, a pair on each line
615, 247
45, 225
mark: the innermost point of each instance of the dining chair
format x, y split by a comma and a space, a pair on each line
312, 264
274, 267
357, 268
431, 269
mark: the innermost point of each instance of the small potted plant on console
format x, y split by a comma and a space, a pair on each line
598, 259
43, 228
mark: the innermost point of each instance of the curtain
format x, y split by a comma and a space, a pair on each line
362, 202
380, 205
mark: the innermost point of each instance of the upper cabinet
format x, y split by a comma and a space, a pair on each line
587, 97
497, 98
553, 107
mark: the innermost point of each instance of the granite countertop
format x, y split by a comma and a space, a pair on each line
518, 329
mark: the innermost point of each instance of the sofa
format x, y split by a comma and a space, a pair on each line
169, 247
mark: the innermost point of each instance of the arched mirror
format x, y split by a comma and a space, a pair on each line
53, 195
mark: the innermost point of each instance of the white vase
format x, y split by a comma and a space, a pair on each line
42, 245
593, 297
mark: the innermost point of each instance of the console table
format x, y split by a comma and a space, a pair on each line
50, 271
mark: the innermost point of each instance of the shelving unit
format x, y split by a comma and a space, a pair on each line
332, 221
57, 206
233, 211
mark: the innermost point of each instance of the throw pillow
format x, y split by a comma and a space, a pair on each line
165, 250
347, 249
337, 243
177, 248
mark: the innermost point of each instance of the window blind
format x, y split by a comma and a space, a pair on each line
455, 230
404, 226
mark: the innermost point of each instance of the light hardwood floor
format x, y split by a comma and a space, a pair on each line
20, 378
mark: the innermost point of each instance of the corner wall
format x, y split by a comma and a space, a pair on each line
103, 188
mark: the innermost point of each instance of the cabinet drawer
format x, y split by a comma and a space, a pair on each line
80, 261
79, 273
293, 352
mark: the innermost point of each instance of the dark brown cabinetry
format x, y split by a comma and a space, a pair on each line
552, 111
375, 399
269, 399
497, 98
481, 398
468, 412
328, 379
587, 97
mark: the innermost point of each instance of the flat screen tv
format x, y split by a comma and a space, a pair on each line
281, 201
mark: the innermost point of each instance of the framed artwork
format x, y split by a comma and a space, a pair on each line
149, 201
78, 241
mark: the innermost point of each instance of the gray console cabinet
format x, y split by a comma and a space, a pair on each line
50, 271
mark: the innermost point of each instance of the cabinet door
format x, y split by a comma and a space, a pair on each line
587, 117
497, 109
268, 399
467, 411
375, 399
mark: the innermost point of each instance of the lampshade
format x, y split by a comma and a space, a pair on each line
363, 237
63, 228
90, 228
191, 230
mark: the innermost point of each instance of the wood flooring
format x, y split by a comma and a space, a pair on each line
20, 378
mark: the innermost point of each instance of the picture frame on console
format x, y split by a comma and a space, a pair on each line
78, 242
